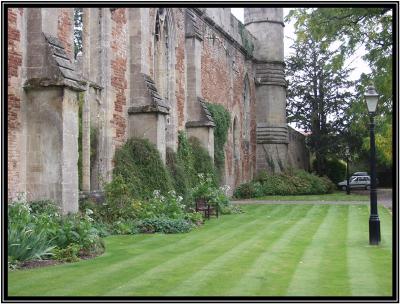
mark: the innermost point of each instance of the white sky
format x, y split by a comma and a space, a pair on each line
356, 62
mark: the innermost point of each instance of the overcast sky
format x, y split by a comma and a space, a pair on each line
354, 62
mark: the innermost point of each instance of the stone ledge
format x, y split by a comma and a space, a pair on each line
147, 109
199, 124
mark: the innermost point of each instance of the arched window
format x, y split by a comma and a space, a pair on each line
235, 132
164, 75
246, 109
161, 53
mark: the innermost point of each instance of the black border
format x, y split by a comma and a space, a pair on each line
5, 298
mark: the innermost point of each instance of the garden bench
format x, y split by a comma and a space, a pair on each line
203, 206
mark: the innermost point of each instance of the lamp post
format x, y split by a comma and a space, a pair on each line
347, 154
371, 98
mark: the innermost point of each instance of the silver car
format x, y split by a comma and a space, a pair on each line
356, 182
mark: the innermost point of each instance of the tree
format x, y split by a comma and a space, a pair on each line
371, 28
78, 25
318, 93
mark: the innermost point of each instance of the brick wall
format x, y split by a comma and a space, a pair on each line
14, 100
119, 83
222, 78
65, 29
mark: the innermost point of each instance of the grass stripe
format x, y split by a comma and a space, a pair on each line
195, 259
256, 253
221, 269
119, 253
322, 263
148, 258
366, 279
271, 272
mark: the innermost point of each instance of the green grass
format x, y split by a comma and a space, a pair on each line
270, 250
332, 197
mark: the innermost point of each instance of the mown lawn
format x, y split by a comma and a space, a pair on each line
337, 196
271, 250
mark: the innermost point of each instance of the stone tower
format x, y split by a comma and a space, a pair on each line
266, 24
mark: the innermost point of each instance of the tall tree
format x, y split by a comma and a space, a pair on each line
318, 93
78, 27
370, 28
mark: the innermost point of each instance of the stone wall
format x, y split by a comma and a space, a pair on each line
143, 72
299, 156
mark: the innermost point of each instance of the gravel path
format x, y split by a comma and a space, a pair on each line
384, 198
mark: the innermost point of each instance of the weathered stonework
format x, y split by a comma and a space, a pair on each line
14, 102
143, 72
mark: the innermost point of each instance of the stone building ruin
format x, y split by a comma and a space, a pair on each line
143, 72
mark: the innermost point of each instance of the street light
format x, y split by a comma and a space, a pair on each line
347, 154
371, 98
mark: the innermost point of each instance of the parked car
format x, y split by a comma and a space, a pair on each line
360, 174
356, 182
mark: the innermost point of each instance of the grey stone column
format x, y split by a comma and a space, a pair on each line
200, 123
51, 87
86, 142
266, 24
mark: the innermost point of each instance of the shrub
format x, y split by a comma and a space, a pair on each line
25, 240
185, 156
290, 183
249, 190
124, 227
44, 207
77, 229
26, 244
335, 170
181, 180
202, 161
68, 254
164, 225
139, 165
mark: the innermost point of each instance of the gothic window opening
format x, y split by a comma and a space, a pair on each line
236, 153
246, 109
78, 28
161, 53
164, 69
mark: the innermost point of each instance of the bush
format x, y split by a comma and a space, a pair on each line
164, 225
335, 170
124, 227
68, 254
35, 230
185, 155
140, 167
293, 183
25, 240
77, 229
26, 244
181, 180
203, 163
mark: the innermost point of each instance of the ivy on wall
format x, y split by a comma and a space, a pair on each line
246, 40
222, 120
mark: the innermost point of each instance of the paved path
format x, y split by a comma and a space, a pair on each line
384, 198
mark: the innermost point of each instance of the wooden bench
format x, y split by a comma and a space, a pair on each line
203, 206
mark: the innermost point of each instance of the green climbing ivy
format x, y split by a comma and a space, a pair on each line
246, 40
222, 120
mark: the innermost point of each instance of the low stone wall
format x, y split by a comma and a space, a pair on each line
298, 154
